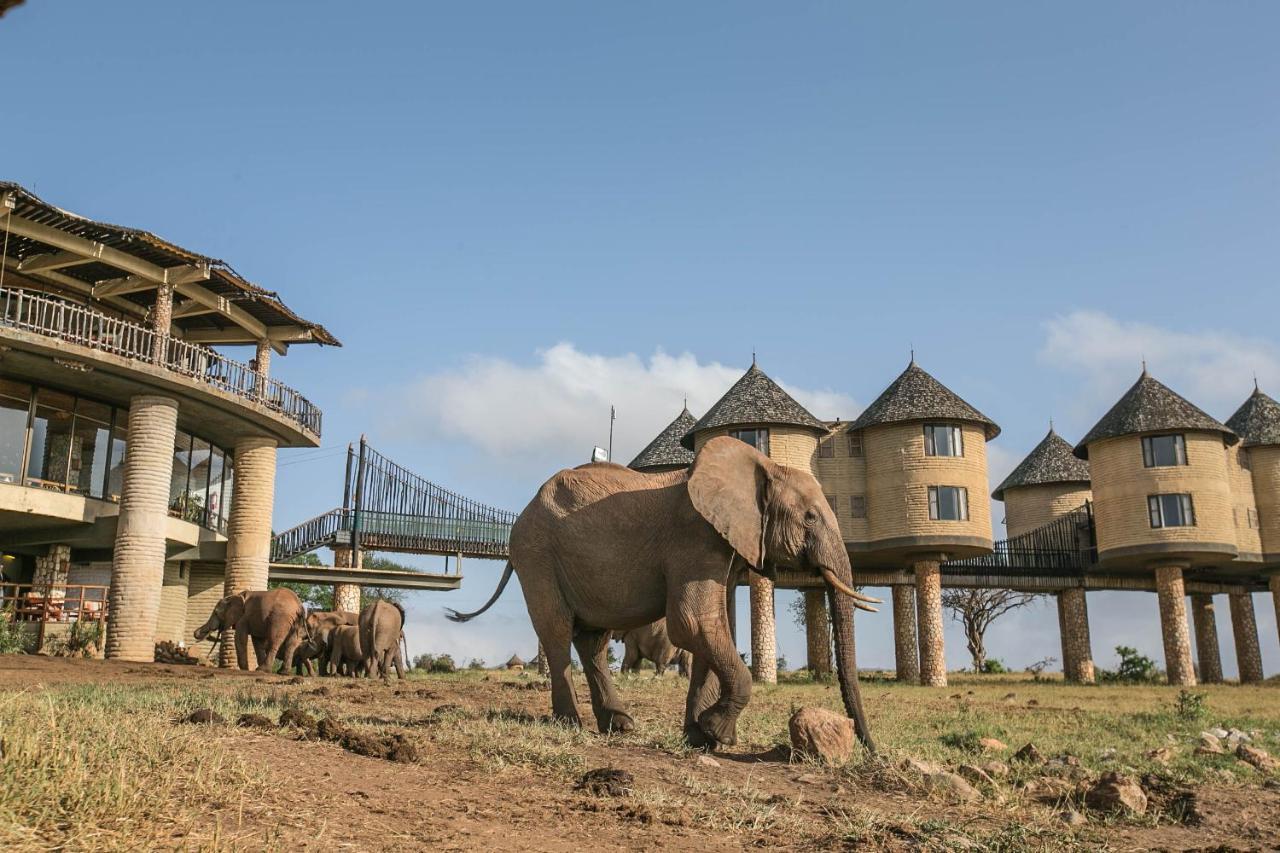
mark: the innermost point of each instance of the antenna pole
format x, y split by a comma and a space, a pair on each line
612, 417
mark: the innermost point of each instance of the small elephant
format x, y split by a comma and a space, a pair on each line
650, 642
321, 624
381, 632
270, 617
346, 656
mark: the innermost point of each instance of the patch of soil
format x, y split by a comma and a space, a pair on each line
391, 747
606, 782
298, 720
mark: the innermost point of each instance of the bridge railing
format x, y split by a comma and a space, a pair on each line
309, 535
1063, 546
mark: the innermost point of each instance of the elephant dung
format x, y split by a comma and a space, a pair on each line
822, 735
255, 721
606, 782
205, 716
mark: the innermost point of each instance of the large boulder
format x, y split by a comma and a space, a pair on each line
822, 735
1258, 758
1115, 792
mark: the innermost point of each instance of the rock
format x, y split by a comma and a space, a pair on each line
207, 716
975, 775
1257, 758
1163, 755
1031, 703
951, 786
990, 744
1107, 754
1029, 754
919, 766
1237, 735
1218, 733
1071, 817
706, 761
996, 769
822, 734
606, 782
1115, 792
1210, 744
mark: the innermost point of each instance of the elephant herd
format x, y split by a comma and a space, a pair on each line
338, 642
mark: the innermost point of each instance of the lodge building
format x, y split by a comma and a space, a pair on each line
1159, 495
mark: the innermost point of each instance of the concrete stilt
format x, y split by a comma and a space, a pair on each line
1173, 625
137, 562
249, 526
764, 640
906, 655
817, 629
1245, 629
933, 660
1206, 625
1073, 625
346, 596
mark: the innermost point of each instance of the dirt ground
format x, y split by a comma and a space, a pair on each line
489, 772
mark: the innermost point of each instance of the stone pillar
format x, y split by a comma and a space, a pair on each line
1202, 616
1173, 626
817, 629
249, 526
346, 596
1073, 625
137, 562
50, 577
764, 640
933, 658
1245, 629
161, 321
262, 366
905, 654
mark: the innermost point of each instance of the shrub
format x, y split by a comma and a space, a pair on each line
782, 663
13, 640
477, 663
443, 663
1037, 669
1189, 706
83, 639
994, 666
1134, 668
424, 662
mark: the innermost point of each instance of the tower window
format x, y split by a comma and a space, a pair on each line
1161, 451
857, 506
943, 440
827, 448
1171, 511
948, 503
757, 438
855, 444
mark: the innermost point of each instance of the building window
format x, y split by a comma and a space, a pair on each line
827, 448
857, 506
1161, 451
1243, 457
855, 444
943, 440
948, 503
757, 438
1171, 511
15, 410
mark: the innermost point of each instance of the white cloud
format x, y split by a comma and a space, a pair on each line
1213, 369
556, 408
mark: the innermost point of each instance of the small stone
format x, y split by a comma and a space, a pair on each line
822, 735
1029, 754
1163, 755
706, 761
996, 769
1257, 758
808, 779
951, 786
1218, 733
919, 766
1210, 744
1236, 734
1115, 792
1071, 817
1107, 754
990, 744
975, 775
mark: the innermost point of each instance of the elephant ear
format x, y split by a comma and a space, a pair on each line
729, 487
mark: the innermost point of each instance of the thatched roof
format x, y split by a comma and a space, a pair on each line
666, 450
1051, 461
755, 399
1257, 421
515, 661
917, 396
1150, 406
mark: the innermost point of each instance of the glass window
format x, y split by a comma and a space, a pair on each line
1159, 451
948, 503
15, 406
198, 487
1253, 519
90, 447
757, 438
215, 488
115, 462
857, 506
180, 474
48, 461
943, 440
228, 488
855, 444
827, 448
1171, 511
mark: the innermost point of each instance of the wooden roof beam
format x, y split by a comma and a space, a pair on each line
52, 261
77, 286
190, 308
121, 286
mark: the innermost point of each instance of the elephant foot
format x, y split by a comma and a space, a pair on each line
697, 738
615, 721
719, 725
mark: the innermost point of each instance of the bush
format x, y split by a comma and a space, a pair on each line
994, 666
82, 640
13, 640
1134, 668
1189, 706
477, 663
443, 663
424, 662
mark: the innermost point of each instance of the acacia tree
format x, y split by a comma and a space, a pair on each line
976, 609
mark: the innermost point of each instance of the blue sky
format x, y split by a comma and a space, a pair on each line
516, 214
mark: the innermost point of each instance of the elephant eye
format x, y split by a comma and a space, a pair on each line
811, 516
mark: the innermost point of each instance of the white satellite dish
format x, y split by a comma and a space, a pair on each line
599, 454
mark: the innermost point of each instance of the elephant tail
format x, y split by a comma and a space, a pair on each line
497, 593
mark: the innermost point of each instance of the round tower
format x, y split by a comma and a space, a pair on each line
665, 452
1048, 484
926, 464
756, 410
1161, 499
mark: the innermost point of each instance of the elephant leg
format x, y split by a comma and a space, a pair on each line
704, 690
708, 637
242, 648
398, 660
630, 659
258, 651
611, 714
288, 651
553, 623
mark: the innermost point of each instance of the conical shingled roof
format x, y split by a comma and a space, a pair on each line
515, 661
917, 396
1257, 421
1150, 406
666, 449
755, 399
1050, 462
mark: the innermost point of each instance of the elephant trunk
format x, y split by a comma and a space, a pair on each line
208, 628
842, 610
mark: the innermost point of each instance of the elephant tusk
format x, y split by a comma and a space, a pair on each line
857, 597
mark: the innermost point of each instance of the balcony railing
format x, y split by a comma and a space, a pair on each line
37, 312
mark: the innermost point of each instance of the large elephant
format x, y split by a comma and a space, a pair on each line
602, 546
270, 617
381, 630
650, 642
322, 624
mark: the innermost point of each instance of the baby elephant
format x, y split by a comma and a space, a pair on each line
650, 642
321, 625
346, 656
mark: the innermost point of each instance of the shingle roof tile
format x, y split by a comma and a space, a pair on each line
917, 396
666, 449
1051, 461
1150, 406
1257, 421
755, 399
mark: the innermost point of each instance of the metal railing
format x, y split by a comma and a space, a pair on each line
390, 531
1063, 546
24, 602
309, 535
40, 313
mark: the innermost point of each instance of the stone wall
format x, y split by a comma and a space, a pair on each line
1029, 507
